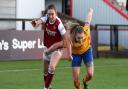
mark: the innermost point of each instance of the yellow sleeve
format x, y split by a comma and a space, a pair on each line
86, 29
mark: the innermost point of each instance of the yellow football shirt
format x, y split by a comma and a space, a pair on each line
80, 48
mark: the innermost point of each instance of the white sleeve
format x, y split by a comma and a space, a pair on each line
44, 19
61, 29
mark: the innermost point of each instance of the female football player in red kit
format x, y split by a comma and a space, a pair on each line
54, 32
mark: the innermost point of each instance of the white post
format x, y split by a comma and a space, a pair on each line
28, 9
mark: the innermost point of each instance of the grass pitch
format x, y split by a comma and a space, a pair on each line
109, 74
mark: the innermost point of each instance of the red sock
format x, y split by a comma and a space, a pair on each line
48, 80
45, 76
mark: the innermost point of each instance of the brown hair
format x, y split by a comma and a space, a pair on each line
74, 30
52, 6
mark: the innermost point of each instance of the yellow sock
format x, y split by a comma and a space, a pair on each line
77, 84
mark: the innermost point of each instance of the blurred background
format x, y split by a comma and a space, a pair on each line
109, 27
20, 41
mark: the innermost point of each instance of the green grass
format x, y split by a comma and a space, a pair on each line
109, 74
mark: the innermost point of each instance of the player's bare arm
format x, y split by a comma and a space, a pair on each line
36, 22
55, 46
89, 16
68, 44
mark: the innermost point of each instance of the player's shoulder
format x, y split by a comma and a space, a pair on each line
44, 18
58, 21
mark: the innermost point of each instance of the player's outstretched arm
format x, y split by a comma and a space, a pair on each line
67, 41
89, 16
55, 46
36, 22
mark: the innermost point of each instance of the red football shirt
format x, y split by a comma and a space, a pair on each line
52, 32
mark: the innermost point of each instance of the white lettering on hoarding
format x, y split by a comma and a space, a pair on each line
4, 45
21, 44
40, 44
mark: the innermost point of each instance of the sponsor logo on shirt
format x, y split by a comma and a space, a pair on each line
51, 33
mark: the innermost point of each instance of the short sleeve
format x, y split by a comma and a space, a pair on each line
86, 29
44, 19
61, 29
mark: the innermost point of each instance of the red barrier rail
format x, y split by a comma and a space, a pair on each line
116, 9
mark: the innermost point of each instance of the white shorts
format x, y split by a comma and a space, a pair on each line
47, 56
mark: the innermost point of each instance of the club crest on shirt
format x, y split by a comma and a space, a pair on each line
49, 32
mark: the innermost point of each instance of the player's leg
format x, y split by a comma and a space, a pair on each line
88, 76
55, 57
45, 69
75, 72
46, 61
88, 61
76, 63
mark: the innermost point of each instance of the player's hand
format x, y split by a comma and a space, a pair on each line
33, 22
45, 49
45, 53
70, 58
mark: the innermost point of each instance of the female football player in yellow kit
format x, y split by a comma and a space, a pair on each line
81, 50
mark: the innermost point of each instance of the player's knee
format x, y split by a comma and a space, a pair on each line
51, 69
45, 72
90, 74
76, 78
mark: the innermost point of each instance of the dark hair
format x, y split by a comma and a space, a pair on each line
77, 29
52, 6
44, 12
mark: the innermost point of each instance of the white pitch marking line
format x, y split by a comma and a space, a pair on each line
19, 70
